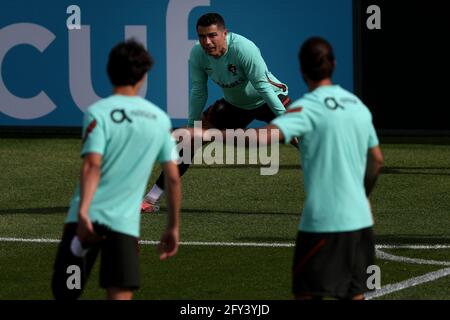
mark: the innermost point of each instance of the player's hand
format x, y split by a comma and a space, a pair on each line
168, 245
85, 230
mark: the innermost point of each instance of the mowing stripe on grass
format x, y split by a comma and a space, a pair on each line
408, 283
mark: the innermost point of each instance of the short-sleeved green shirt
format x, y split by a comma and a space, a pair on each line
335, 130
131, 134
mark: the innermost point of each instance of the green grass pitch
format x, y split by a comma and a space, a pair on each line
223, 203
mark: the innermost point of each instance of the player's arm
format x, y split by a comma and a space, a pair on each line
199, 89
169, 241
257, 73
89, 180
294, 123
168, 156
264, 136
373, 168
269, 134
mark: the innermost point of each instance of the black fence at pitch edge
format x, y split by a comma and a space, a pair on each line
398, 69
39, 132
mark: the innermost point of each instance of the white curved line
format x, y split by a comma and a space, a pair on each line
408, 283
386, 256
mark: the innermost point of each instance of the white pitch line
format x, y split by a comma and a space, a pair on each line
387, 256
408, 283
412, 246
236, 244
187, 243
42, 240
229, 244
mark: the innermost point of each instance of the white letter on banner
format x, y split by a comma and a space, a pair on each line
80, 79
178, 49
139, 33
40, 38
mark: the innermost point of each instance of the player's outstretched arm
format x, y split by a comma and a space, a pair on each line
264, 136
90, 177
168, 245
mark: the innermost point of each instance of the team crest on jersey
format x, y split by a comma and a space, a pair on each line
232, 68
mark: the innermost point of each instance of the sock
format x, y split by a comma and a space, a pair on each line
154, 194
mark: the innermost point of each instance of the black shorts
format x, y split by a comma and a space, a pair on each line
223, 115
119, 266
333, 264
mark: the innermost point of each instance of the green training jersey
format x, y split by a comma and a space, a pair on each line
131, 134
241, 73
335, 130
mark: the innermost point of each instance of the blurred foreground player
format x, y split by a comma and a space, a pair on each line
123, 135
341, 160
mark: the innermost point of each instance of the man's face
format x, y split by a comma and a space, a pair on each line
213, 40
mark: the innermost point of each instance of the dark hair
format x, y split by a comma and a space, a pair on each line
317, 59
128, 62
209, 19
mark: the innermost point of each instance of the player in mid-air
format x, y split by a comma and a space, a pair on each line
250, 91
123, 135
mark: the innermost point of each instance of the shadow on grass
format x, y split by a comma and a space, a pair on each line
51, 210
248, 212
416, 170
443, 171
241, 166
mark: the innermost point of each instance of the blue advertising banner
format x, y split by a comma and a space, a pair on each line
53, 54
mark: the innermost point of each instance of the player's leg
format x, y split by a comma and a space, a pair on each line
305, 278
322, 265
362, 248
220, 115
333, 264
151, 199
264, 113
119, 268
70, 272
119, 294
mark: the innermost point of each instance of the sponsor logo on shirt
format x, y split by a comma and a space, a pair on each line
231, 85
332, 104
144, 114
119, 116
348, 100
